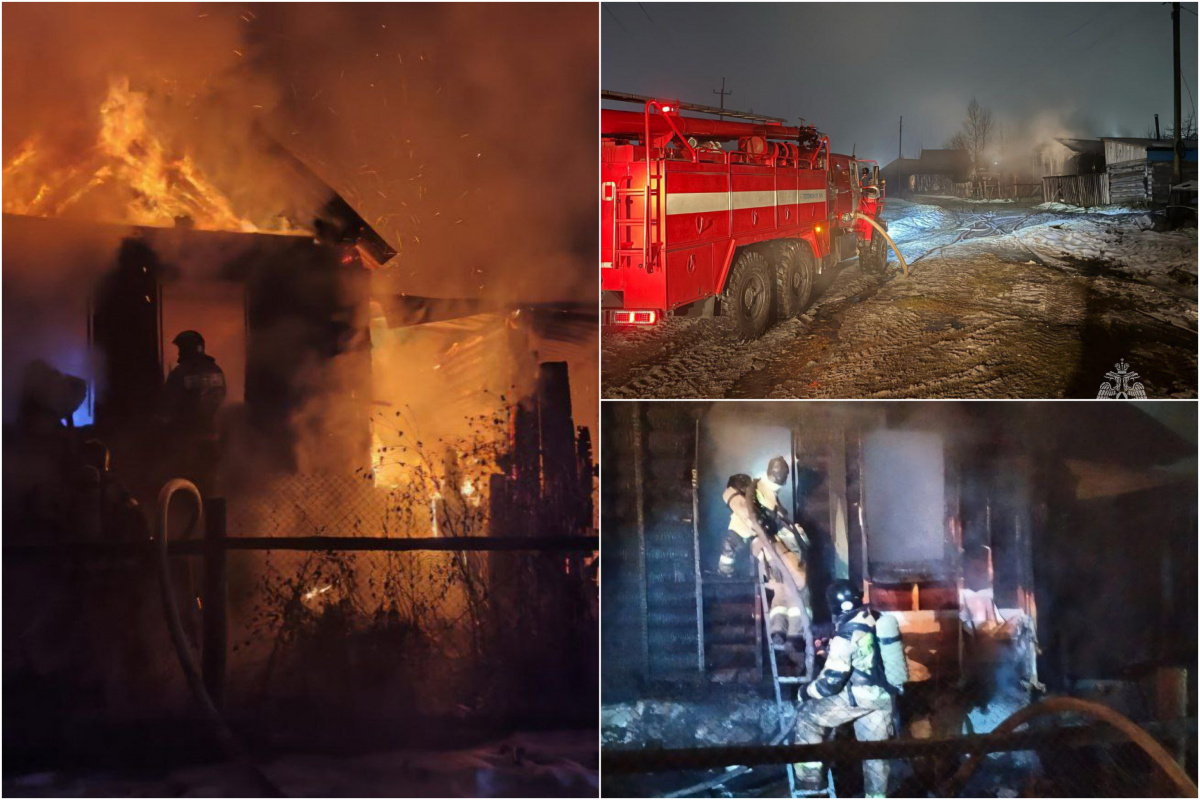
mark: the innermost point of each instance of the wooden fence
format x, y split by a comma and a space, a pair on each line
1077, 190
983, 189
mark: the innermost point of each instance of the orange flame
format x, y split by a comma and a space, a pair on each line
130, 176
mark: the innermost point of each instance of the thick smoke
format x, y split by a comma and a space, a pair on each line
461, 133
468, 151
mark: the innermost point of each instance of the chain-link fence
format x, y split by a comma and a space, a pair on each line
325, 647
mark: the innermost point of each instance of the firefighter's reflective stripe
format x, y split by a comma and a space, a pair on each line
836, 671
736, 523
793, 613
713, 202
849, 649
780, 611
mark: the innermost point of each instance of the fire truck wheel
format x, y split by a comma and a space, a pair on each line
872, 255
795, 276
749, 295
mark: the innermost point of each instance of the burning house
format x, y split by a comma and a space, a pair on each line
999, 538
352, 408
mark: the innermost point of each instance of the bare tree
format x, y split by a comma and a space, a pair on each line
1168, 133
975, 135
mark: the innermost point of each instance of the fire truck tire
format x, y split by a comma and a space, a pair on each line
872, 254
795, 276
749, 294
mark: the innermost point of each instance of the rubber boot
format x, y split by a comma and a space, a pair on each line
795, 650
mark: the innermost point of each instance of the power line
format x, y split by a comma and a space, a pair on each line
647, 13
615, 17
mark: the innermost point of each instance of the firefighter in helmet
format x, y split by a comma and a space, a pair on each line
758, 518
863, 672
193, 395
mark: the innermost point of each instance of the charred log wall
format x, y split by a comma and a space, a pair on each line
650, 628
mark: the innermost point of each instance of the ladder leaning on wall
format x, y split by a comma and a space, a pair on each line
778, 681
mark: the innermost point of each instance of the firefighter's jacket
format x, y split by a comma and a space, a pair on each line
194, 393
766, 502
853, 665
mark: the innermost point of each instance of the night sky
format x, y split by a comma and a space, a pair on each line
852, 69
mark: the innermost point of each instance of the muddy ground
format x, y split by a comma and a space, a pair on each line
1001, 301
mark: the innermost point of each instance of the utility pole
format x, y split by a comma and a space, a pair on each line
723, 92
1157, 132
1177, 170
902, 136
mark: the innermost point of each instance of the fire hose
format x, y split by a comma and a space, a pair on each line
187, 661
1101, 712
878, 227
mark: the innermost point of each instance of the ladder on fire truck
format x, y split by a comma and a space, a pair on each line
778, 680
625, 223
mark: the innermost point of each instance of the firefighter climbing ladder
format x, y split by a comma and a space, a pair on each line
779, 681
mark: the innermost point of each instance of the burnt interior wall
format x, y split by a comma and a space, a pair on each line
905, 491
652, 607
1010, 502
623, 621
1116, 585
125, 334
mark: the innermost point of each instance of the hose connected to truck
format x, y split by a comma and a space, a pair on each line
882, 232
187, 661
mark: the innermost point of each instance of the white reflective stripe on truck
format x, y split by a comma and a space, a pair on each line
711, 202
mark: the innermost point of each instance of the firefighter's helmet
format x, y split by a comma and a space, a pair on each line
777, 470
189, 342
842, 597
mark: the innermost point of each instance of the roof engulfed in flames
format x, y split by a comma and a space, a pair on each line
129, 176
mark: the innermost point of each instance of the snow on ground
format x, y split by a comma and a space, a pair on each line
1129, 244
1002, 301
1063, 208
547, 764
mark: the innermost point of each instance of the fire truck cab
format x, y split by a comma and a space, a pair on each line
732, 216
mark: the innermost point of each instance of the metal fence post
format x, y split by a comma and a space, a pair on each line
215, 600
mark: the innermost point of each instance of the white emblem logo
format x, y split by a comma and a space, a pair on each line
1121, 384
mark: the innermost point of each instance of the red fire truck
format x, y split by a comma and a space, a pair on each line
737, 216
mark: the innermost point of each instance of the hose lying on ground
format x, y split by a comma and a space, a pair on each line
220, 728
896, 250
1101, 712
